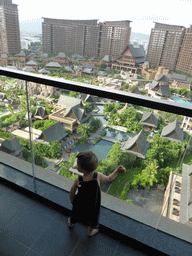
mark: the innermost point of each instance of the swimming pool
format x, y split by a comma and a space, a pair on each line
180, 100
101, 149
117, 135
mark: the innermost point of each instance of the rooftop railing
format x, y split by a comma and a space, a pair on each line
151, 214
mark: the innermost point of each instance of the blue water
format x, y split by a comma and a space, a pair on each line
101, 149
117, 135
103, 120
100, 109
112, 133
180, 100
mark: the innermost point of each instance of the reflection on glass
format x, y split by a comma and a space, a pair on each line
154, 146
13, 120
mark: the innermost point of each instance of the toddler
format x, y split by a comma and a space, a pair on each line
86, 203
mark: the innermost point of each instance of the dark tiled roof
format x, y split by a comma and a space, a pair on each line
29, 69
67, 68
13, 146
107, 58
137, 145
163, 78
87, 97
91, 66
21, 54
43, 71
150, 119
61, 55
137, 51
147, 63
68, 101
164, 90
54, 132
53, 65
153, 85
136, 90
41, 111
173, 132
179, 78
32, 63
140, 60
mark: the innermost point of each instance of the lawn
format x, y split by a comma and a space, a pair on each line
188, 159
120, 181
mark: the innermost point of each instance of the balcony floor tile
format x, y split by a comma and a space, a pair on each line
30, 227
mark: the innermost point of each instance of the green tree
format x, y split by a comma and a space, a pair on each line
84, 129
95, 124
118, 157
55, 149
88, 106
163, 151
106, 166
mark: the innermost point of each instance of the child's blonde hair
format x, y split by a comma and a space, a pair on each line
87, 160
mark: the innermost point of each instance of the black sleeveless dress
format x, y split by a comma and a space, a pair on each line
86, 204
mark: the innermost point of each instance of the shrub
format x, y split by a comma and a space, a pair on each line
97, 140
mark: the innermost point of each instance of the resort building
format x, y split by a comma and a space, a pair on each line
184, 62
12, 147
33, 63
173, 132
13, 127
178, 196
54, 132
85, 37
88, 98
70, 112
41, 113
53, 65
179, 81
164, 45
150, 120
138, 145
9, 28
163, 91
152, 73
136, 90
131, 59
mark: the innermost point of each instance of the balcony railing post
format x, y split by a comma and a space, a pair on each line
30, 136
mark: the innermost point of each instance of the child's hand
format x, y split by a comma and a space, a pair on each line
121, 169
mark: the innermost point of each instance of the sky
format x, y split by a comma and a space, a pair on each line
142, 13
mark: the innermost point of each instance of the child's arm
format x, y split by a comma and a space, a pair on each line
104, 178
73, 189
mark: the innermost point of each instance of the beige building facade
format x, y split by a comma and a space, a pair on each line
184, 62
9, 28
164, 45
85, 37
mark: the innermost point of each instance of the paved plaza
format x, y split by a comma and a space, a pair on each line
149, 198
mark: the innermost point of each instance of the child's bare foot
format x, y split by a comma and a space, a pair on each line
92, 231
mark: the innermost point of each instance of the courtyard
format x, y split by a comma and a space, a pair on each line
149, 198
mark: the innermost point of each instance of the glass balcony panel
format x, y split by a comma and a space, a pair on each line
153, 145
14, 129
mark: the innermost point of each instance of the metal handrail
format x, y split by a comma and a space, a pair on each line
159, 104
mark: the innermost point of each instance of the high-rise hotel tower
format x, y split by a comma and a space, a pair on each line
184, 62
164, 45
85, 37
9, 28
